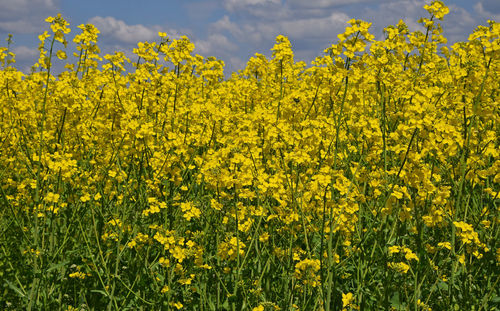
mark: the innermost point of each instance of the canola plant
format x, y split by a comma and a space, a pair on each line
365, 180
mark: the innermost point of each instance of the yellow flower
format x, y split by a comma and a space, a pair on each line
393, 249
165, 289
78, 275
165, 262
306, 270
400, 267
409, 255
85, 198
177, 305
347, 299
189, 210
131, 244
446, 245
229, 249
264, 237
438, 9
186, 281
461, 259
178, 253
52, 197
61, 54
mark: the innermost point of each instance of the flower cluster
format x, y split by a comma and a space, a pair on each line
284, 186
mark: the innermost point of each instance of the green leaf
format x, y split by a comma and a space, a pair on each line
395, 302
99, 291
20, 292
225, 305
57, 266
442, 285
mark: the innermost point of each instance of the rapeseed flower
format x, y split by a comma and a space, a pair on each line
363, 158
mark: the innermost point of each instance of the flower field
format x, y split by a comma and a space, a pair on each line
366, 180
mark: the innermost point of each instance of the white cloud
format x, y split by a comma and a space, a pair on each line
201, 10
315, 27
390, 13
491, 6
224, 23
488, 9
256, 32
458, 24
215, 43
241, 4
243, 31
261, 9
318, 30
20, 26
25, 16
25, 53
122, 32
326, 3
10, 7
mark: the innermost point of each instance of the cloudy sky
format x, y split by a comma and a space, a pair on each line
232, 30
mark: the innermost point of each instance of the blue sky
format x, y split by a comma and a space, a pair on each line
232, 30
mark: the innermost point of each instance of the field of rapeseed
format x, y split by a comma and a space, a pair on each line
366, 180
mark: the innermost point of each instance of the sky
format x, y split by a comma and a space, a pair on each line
231, 30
